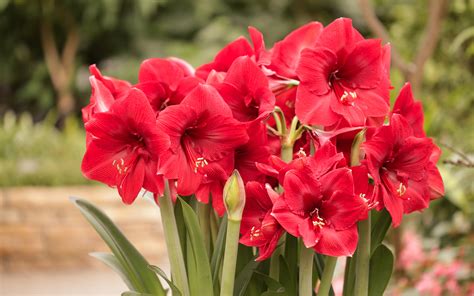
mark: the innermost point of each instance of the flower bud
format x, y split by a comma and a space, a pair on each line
234, 196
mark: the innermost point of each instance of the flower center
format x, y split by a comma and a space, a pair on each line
316, 219
344, 96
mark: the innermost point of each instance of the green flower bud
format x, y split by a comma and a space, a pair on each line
234, 196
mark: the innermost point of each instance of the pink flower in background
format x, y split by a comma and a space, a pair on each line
412, 254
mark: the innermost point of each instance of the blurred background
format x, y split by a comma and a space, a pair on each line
45, 52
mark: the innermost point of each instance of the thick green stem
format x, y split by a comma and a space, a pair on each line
363, 259
306, 271
173, 245
326, 278
204, 216
230, 257
286, 152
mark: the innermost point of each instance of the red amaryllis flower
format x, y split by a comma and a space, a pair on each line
125, 147
202, 131
401, 168
245, 89
259, 228
166, 82
411, 110
105, 90
343, 78
237, 48
286, 53
256, 150
319, 204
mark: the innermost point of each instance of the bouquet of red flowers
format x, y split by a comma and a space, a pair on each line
292, 151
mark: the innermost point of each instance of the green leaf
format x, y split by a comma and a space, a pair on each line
111, 261
162, 274
243, 278
133, 263
379, 229
349, 277
288, 279
199, 270
179, 217
218, 253
381, 267
272, 285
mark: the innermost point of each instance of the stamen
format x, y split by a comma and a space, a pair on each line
200, 162
401, 190
316, 219
254, 232
120, 166
301, 153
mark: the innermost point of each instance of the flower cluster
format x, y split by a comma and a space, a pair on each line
307, 123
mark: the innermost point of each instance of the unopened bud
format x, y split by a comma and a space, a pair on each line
234, 196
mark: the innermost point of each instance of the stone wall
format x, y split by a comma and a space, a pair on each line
41, 229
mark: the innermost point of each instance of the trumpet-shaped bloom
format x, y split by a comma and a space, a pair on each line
344, 78
202, 131
319, 204
125, 146
245, 89
259, 228
403, 168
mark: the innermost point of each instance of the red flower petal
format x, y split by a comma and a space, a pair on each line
337, 243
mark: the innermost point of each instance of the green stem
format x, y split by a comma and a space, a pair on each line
173, 245
286, 152
214, 228
363, 259
326, 278
230, 257
204, 216
306, 271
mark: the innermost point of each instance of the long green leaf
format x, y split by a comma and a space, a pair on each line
199, 270
162, 274
288, 279
216, 260
272, 285
349, 277
243, 278
179, 217
111, 261
132, 262
379, 229
381, 267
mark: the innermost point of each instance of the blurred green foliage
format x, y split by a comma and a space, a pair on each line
39, 154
